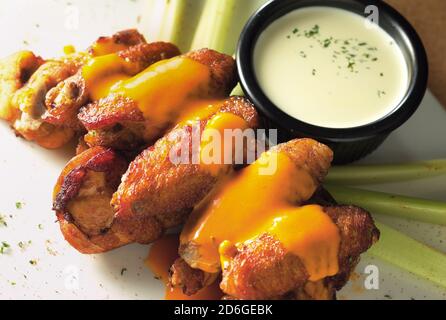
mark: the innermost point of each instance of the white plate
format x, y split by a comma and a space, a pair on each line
28, 173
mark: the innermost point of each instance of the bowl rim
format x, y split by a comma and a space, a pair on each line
417, 59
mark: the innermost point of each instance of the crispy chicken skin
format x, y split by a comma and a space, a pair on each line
15, 71
64, 101
156, 188
117, 121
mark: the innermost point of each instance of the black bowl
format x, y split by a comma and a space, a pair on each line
348, 144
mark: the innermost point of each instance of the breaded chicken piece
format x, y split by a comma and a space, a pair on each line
15, 71
117, 122
154, 194
64, 101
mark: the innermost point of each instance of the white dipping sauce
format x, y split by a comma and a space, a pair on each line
323, 66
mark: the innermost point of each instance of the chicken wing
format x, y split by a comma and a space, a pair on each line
15, 71
64, 101
121, 122
30, 100
26, 79
82, 200
264, 269
155, 194
275, 242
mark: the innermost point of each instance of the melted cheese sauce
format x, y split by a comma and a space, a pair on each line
325, 67
161, 256
163, 87
249, 204
102, 73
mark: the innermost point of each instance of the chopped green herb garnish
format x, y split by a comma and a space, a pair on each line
3, 221
4, 247
381, 93
313, 72
381, 74
33, 262
295, 30
362, 44
351, 65
327, 42
314, 31
18, 205
302, 54
40, 226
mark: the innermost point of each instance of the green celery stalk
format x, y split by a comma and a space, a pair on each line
214, 25
409, 254
390, 204
373, 174
173, 21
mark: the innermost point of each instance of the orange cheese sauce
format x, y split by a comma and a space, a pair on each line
162, 88
161, 256
102, 73
250, 203
218, 145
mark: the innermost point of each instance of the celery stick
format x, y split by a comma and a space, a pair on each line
390, 204
172, 18
172, 21
370, 174
213, 28
409, 254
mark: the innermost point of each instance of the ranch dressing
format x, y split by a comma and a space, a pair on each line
323, 66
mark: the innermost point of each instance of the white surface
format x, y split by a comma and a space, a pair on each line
28, 173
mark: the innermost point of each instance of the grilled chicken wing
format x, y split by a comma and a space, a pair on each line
64, 101
118, 121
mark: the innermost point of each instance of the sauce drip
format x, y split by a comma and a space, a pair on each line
161, 256
249, 204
